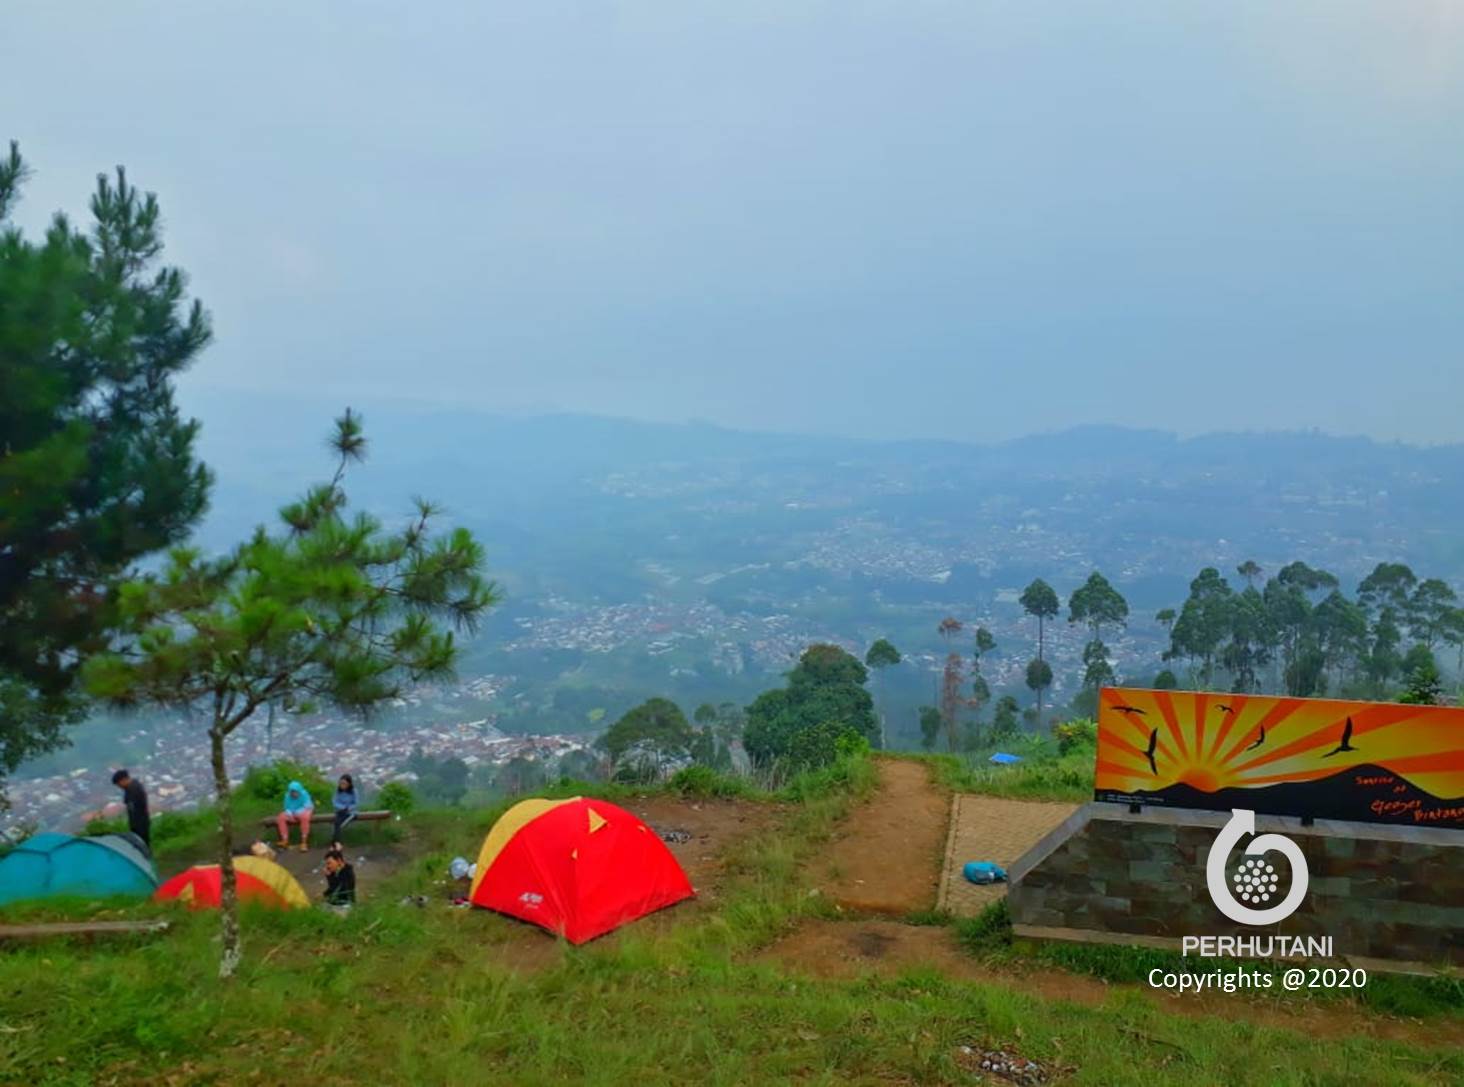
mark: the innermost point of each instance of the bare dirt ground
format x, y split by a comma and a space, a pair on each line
715, 826
849, 949
373, 863
886, 858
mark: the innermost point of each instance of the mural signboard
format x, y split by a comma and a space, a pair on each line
1377, 762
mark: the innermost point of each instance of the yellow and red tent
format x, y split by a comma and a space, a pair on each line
259, 880
576, 867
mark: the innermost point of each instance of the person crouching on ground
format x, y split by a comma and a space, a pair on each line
340, 881
298, 809
344, 803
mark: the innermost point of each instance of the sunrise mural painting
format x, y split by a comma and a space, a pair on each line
1310, 757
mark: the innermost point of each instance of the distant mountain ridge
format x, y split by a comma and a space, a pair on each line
232, 426
1337, 796
561, 495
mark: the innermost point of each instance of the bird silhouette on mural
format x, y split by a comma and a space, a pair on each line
1346, 744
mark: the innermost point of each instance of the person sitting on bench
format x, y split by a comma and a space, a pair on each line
345, 804
298, 809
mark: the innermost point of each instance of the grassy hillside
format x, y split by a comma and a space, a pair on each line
394, 994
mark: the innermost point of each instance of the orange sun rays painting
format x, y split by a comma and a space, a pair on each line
1326, 758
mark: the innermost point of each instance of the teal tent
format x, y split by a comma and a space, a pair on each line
49, 865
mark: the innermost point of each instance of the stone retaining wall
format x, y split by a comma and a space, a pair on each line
1381, 892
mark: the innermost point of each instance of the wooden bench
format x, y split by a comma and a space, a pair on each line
81, 928
329, 820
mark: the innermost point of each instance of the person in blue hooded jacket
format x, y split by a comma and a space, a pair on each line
298, 809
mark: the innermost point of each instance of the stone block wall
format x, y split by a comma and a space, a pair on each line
1381, 892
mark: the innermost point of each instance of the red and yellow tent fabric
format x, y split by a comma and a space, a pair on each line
576, 867
259, 880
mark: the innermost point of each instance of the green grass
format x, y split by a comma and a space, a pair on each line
989, 936
399, 995
1043, 773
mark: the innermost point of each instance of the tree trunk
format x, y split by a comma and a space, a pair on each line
1039, 657
884, 742
950, 699
229, 892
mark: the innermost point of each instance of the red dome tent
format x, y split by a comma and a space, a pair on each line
578, 868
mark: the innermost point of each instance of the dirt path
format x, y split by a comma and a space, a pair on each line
887, 856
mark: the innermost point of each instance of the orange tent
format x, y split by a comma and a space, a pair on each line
577, 867
259, 880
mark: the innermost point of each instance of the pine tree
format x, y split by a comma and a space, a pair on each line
1039, 601
97, 467
331, 609
882, 654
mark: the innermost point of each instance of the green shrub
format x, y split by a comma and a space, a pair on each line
695, 781
821, 744
703, 781
176, 826
1080, 732
166, 826
395, 797
849, 774
270, 782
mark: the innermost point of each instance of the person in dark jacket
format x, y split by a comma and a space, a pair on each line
135, 797
345, 803
340, 881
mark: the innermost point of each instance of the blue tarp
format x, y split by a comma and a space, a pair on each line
50, 865
1004, 759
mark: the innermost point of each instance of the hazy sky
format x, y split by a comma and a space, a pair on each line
970, 220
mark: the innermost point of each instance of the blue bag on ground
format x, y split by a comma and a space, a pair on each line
984, 872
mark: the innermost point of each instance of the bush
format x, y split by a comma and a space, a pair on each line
395, 797
695, 781
703, 781
170, 831
269, 782
821, 744
1077, 733
637, 769
853, 774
